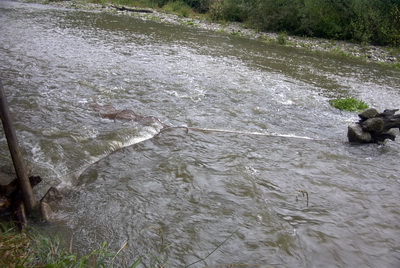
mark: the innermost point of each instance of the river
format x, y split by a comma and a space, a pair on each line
214, 199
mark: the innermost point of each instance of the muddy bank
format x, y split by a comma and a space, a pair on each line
368, 53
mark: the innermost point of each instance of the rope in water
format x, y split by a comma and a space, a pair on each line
109, 111
250, 133
112, 113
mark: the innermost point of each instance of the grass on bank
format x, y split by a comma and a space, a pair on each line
30, 249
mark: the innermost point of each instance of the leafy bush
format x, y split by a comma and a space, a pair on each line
159, 3
282, 38
201, 6
394, 29
216, 9
197, 5
278, 15
366, 21
178, 7
236, 10
349, 104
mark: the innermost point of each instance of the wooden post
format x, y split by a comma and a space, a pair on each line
16, 155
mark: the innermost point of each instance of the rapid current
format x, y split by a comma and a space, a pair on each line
281, 187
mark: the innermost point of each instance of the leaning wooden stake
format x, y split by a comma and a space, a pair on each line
16, 155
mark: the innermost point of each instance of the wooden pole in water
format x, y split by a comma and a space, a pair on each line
16, 155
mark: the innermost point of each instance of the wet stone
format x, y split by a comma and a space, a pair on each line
373, 125
369, 113
356, 134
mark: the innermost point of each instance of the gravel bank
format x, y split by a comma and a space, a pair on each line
365, 52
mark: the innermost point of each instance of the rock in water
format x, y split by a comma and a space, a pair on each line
369, 113
374, 126
52, 196
356, 134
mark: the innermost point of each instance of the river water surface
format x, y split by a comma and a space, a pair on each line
200, 198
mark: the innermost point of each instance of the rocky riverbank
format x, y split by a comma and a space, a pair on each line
368, 53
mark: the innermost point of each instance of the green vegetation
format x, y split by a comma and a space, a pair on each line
5, 157
349, 104
178, 7
366, 21
28, 249
200, 6
282, 38
374, 22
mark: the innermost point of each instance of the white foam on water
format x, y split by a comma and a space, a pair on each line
70, 180
251, 133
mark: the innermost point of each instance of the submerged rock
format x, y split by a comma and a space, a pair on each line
50, 198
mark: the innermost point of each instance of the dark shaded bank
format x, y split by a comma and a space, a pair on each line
378, 54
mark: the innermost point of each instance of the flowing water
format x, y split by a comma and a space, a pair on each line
201, 198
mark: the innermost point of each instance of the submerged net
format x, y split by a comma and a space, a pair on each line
141, 128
